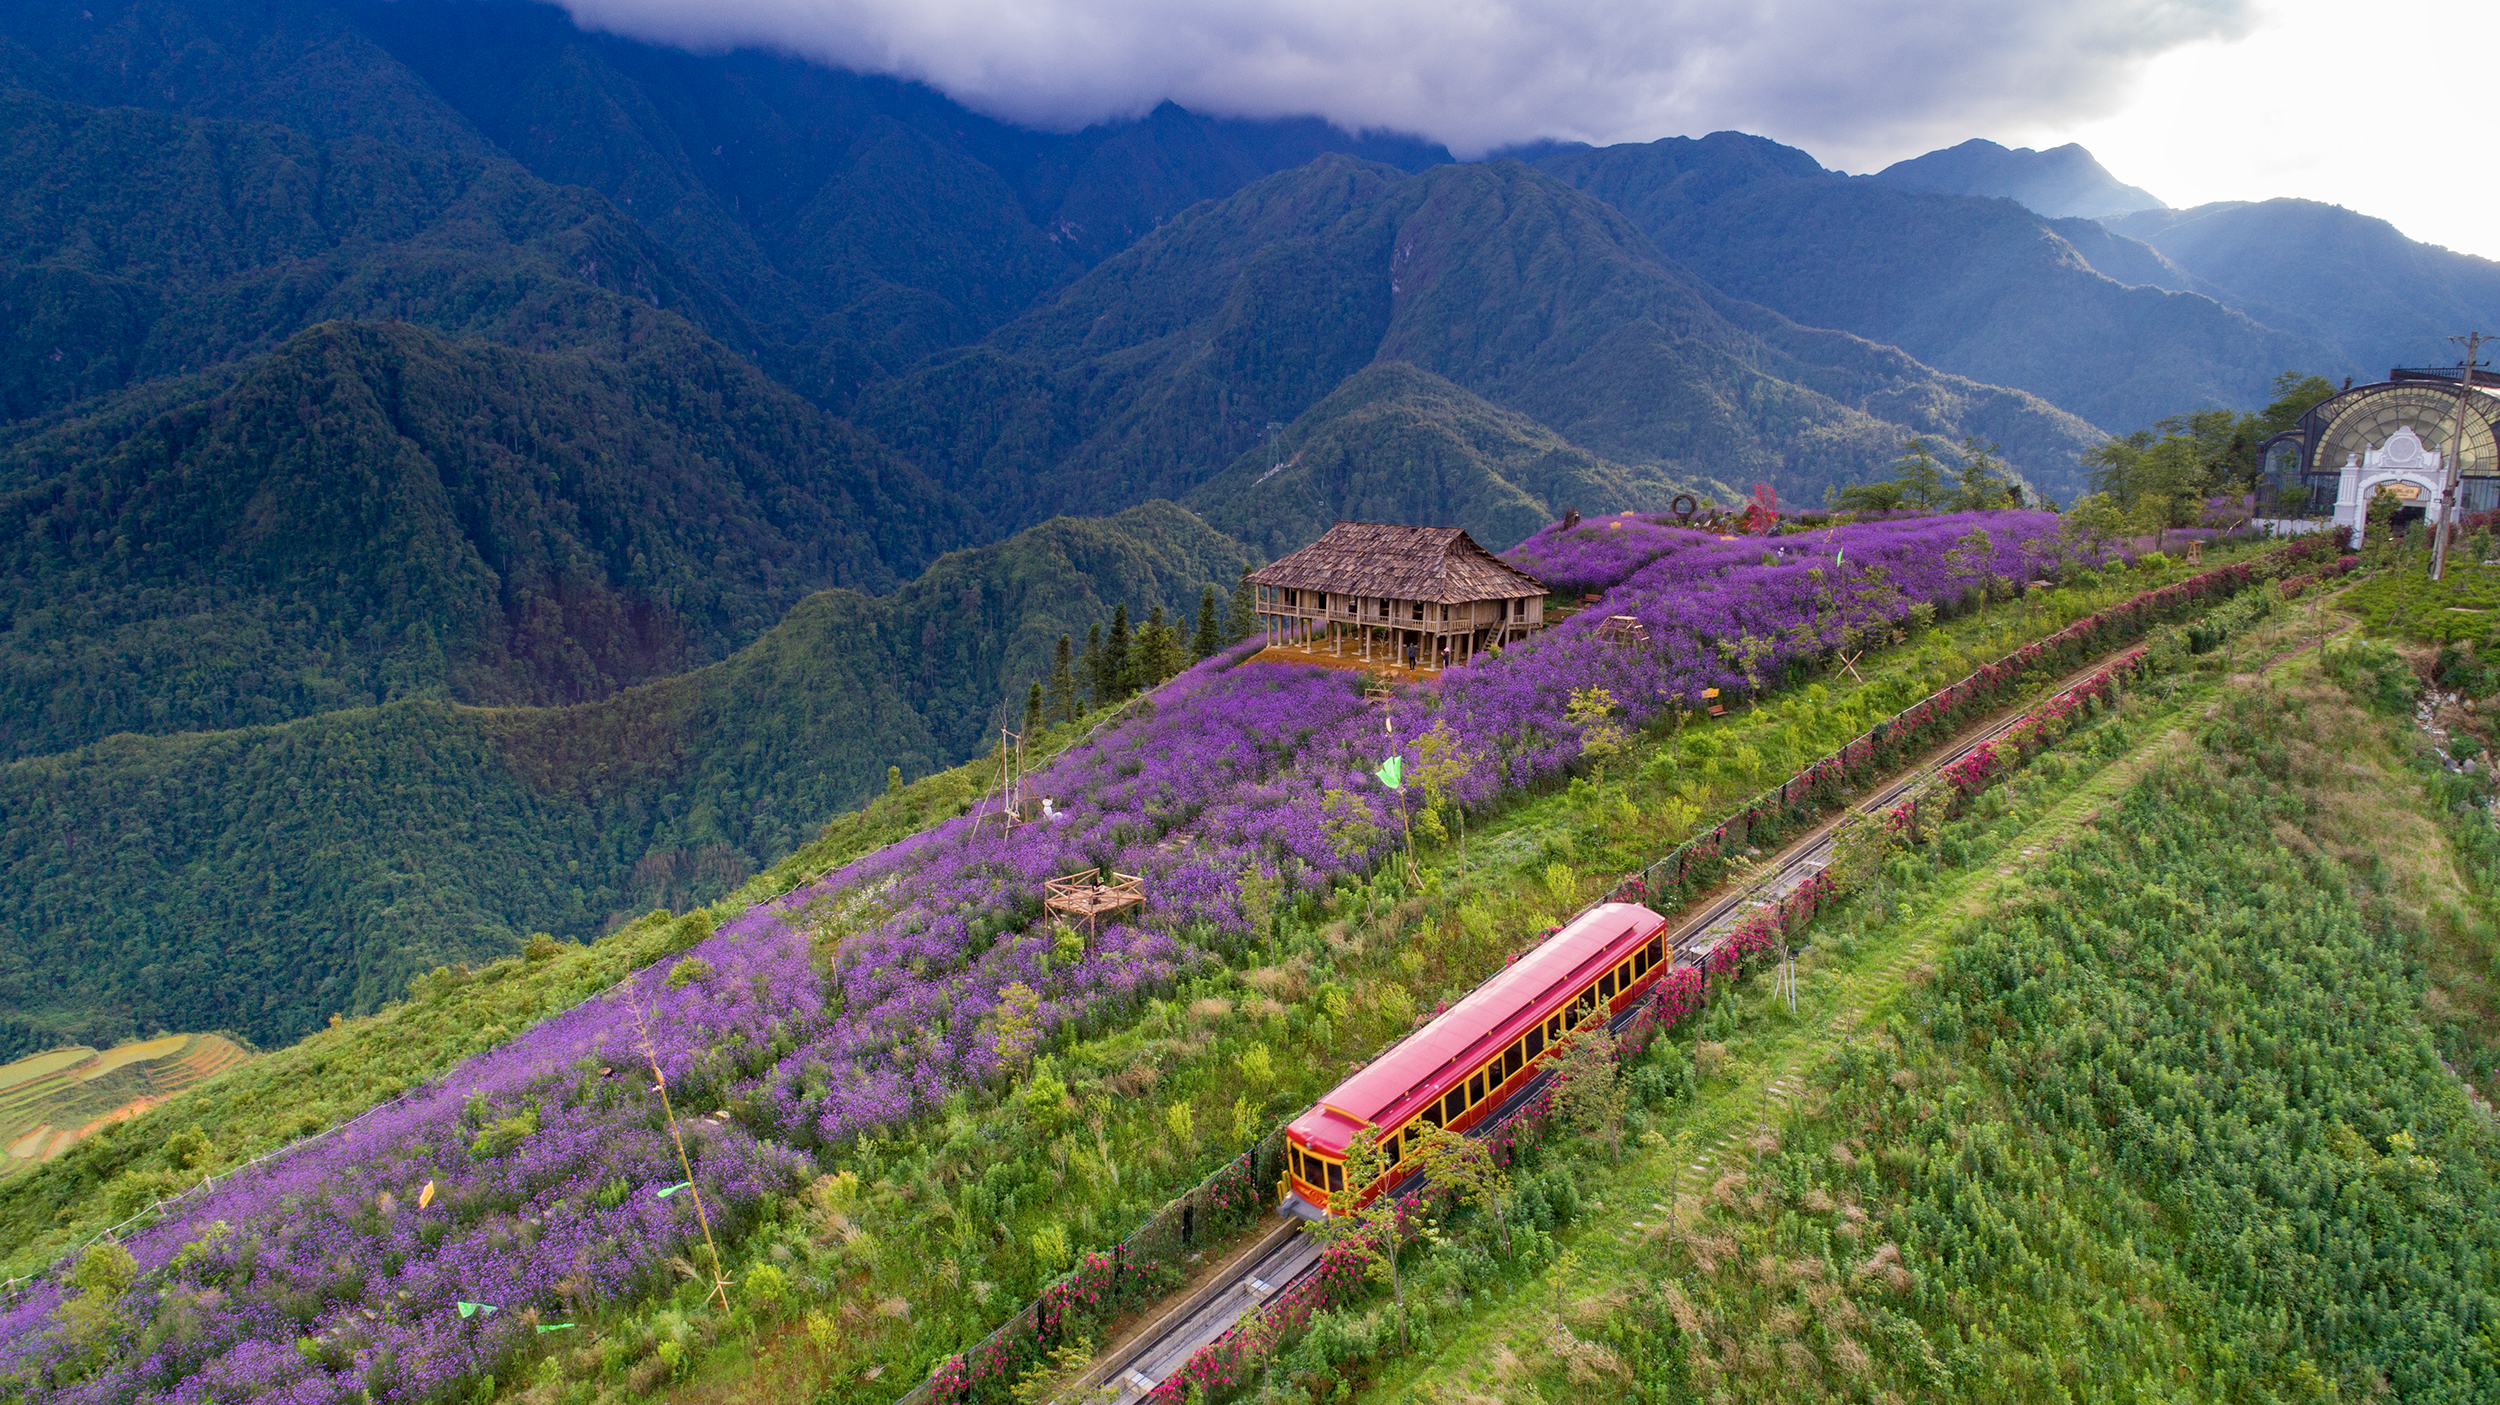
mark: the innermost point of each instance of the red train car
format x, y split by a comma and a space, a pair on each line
1457, 1069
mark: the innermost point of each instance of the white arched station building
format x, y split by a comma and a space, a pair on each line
2400, 468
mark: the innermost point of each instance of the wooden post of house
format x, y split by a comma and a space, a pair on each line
1430, 595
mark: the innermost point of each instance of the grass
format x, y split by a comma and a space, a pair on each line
1336, 985
939, 1238
1757, 1062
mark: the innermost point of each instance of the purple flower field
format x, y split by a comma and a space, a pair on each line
864, 999
1600, 551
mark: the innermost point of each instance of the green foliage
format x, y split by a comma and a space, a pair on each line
1159, 370
765, 1289
1207, 639
2160, 477
1981, 288
1917, 481
1395, 443
2171, 1110
372, 512
1588, 1086
927, 1229
2402, 600
260, 880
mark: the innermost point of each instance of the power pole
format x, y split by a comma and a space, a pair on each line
2449, 481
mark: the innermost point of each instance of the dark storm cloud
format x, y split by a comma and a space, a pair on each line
1853, 82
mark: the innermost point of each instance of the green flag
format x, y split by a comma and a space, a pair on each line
668, 1190
558, 1327
1391, 770
473, 1309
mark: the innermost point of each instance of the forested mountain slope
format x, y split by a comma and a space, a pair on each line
258, 880
373, 512
864, 221
137, 244
1162, 365
1393, 443
2061, 182
1976, 286
2330, 273
857, 222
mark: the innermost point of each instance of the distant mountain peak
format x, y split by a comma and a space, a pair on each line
2059, 182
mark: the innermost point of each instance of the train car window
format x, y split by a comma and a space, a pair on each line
1414, 1133
1432, 1114
1571, 1016
1536, 1041
1294, 1155
1394, 1150
1336, 1177
1475, 1089
1606, 986
1640, 964
1656, 950
1453, 1105
1512, 1060
1623, 976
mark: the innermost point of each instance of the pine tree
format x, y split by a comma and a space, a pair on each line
1206, 643
1146, 652
1241, 618
1033, 710
1062, 683
1115, 661
1095, 681
1160, 653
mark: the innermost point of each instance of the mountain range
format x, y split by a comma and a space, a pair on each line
2062, 182
464, 474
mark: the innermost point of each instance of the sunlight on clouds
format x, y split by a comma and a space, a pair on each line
1851, 80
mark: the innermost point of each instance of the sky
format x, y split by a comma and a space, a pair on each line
2337, 102
2194, 100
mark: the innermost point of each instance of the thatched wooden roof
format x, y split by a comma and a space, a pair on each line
1438, 565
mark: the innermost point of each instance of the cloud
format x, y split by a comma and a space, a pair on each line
1857, 83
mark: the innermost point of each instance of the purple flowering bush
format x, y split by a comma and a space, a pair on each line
1601, 550
873, 994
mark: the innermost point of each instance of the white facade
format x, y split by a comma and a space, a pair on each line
2400, 466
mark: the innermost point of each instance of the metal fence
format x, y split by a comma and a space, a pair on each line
1165, 1240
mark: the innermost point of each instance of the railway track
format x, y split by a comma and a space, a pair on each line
1280, 1256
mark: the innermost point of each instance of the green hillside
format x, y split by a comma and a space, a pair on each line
1166, 363
141, 244
372, 512
259, 880
1396, 444
1979, 287
2331, 273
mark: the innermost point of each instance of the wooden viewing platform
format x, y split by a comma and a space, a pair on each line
1085, 894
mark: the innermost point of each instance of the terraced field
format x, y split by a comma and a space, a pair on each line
50, 1100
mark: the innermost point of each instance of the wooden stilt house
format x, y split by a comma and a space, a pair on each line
1425, 597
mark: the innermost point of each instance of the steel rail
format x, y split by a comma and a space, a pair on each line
1143, 1362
